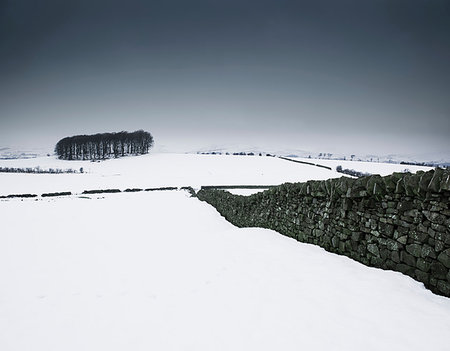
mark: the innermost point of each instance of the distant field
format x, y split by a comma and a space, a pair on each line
161, 170
380, 168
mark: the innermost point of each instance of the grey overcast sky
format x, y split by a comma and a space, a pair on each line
327, 75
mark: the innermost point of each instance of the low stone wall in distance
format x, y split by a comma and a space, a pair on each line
400, 222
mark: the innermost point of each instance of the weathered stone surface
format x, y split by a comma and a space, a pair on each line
392, 245
356, 192
427, 251
405, 206
444, 287
415, 235
356, 236
405, 269
438, 270
435, 183
445, 182
391, 182
423, 265
411, 184
400, 187
412, 213
373, 249
403, 239
389, 264
385, 228
414, 249
335, 241
384, 254
408, 259
438, 245
438, 228
444, 258
422, 276
404, 224
376, 186
395, 256
434, 217
376, 261
425, 181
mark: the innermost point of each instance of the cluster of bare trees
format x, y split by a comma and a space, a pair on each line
104, 145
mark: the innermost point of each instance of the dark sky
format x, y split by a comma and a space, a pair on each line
318, 75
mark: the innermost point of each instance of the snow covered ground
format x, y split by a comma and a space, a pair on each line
159, 170
380, 168
163, 271
156, 170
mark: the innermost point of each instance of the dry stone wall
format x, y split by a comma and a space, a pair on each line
400, 222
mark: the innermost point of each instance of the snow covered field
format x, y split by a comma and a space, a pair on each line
160, 170
156, 170
163, 271
380, 168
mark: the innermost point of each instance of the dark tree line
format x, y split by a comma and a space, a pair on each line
104, 145
418, 164
39, 170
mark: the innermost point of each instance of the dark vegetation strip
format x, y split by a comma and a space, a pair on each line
133, 190
162, 188
64, 193
38, 170
97, 191
305, 163
101, 191
18, 196
322, 166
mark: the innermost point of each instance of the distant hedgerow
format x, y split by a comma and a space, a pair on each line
104, 145
352, 172
39, 170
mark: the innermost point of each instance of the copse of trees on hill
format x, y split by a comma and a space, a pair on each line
104, 145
